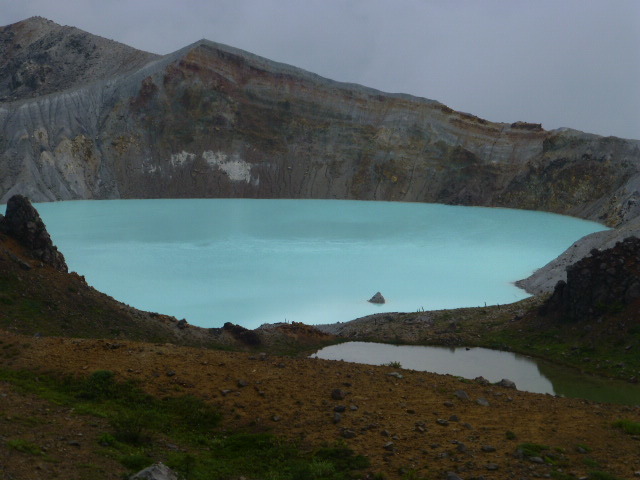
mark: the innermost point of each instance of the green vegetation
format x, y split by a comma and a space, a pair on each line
143, 425
24, 446
597, 475
628, 426
393, 364
532, 449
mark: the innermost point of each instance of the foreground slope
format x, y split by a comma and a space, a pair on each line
412, 422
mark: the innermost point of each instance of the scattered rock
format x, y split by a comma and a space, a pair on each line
242, 383
536, 460
389, 446
395, 374
461, 394
505, 382
442, 421
452, 476
347, 433
182, 324
454, 418
338, 394
157, 471
276, 418
462, 448
482, 381
488, 448
337, 417
482, 401
377, 298
339, 408
491, 466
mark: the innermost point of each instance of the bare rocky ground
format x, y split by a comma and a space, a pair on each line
402, 420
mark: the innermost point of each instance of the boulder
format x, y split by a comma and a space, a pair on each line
157, 471
377, 298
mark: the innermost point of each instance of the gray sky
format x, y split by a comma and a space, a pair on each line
562, 63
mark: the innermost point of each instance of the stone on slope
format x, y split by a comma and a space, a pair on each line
157, 471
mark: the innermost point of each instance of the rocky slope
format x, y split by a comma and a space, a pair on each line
409, 424
213, 121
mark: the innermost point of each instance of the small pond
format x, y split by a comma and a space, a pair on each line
529, 374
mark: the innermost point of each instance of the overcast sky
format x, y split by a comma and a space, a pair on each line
562, 63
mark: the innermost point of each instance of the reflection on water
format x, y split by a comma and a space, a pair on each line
528, 374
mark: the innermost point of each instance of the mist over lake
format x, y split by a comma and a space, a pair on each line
250, 262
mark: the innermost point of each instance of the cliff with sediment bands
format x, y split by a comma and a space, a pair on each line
83, 117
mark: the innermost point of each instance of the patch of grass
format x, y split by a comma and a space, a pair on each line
510, 435
591, 462
598, 475
392, 364
628, 426
532, 449
556, 475
136, 461
24, 446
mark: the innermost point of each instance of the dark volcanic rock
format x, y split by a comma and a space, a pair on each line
377, 298
244, 335
23, 223
605, 282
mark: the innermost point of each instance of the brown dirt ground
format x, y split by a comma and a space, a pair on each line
298, 391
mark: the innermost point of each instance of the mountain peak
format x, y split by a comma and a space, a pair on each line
39, 56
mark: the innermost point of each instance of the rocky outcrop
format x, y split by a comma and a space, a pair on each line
85, 118
23, 223
545, 278
605, 282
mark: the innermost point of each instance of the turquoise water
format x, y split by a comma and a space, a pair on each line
250, 262
529, 374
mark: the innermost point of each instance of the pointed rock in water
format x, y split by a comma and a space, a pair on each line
23, 223
377, 298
